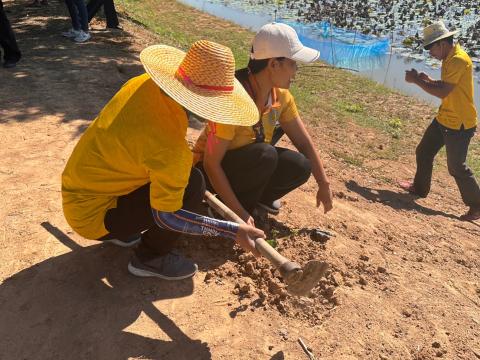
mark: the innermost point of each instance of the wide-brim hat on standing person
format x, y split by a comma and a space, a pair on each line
201, 80
275, 40
435, 32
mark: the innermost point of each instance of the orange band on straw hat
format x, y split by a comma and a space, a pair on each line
202, 80
186, 79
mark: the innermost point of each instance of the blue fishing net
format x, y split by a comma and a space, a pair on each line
340, 47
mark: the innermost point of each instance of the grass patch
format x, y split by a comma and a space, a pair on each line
359, 114
350, 108
395, 126
272, 243
348, 158
179, 25
272, 240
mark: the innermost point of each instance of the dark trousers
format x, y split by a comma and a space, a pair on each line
109, 8
133, 215
11, 51
260, 172
456, 143
78, 14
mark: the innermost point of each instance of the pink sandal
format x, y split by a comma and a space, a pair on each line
407, 185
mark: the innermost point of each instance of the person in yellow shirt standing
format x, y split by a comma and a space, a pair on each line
130, 180
455, 123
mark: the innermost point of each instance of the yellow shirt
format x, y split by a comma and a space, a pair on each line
281, 108
458, 107
139, 137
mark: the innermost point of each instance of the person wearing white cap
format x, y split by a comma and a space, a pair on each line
455, 123
244, 168
130, 180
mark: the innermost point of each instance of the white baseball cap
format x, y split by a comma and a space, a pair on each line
280, 40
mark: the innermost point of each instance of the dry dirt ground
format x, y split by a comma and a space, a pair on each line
404, 282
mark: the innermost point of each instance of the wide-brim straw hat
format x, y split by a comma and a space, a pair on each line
202, 81
435, 32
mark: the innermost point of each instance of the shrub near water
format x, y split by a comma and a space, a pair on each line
395, 127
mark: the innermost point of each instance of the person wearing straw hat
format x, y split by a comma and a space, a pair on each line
243, 166
455, 123
130, 179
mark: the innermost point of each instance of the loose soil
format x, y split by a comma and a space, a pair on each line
404, 280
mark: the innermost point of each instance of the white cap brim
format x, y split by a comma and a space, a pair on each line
306, 55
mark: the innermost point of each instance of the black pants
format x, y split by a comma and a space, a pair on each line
7, 38
110, 13
133, 215
260, 172
456, 143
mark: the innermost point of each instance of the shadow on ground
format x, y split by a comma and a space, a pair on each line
78, 305
83, 76
396, 200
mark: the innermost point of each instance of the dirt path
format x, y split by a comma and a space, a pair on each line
404, 282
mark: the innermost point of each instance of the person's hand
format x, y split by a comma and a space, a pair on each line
411, 76
325, 197
245, 216
423, 76
246, 236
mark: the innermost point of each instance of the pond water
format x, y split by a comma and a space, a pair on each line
388, 69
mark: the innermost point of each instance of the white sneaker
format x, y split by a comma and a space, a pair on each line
72, 33
82, 37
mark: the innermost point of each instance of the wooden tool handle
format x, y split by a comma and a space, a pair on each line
261, 245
